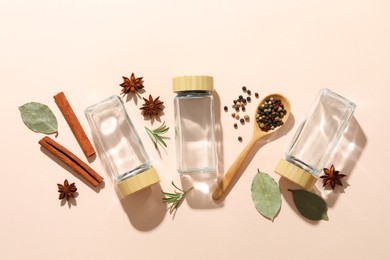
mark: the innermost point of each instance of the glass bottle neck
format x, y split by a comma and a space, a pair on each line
194, 93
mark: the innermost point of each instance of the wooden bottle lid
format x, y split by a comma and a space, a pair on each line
138, 182
193, 83
295, 174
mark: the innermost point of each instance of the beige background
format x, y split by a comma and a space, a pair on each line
290, 47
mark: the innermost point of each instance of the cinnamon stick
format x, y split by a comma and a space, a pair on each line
71, 160
74, 124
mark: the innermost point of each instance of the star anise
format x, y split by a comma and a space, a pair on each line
152, 107
66, 191
131, 85
332, 177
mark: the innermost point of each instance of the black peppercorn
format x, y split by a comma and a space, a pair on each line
248, 92
270, 114
242, 121
257, 95
235, 125
244, 88
240, 138
248, 99
225, 108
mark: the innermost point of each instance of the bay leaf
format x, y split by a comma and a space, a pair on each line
266, 195
310, 205
39, 118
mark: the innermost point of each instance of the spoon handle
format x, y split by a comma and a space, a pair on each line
227, 179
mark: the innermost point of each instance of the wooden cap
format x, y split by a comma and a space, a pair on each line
188, 83
138, 182
295, 174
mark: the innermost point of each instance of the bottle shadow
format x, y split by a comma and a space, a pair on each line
204, 184
344, 158
260, 143
145, 209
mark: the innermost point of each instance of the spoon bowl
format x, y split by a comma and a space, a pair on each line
258, 133
256, 129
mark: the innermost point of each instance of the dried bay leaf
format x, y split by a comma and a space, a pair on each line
310, 205
39, 118
266, 195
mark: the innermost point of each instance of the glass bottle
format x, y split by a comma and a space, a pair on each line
121, 149
316, 139
194, 124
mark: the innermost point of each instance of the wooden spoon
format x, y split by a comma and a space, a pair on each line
257, 134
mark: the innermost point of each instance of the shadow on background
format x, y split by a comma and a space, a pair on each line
145, 208
203, 185
344, 159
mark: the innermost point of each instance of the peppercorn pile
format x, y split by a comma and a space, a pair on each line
239, 105
270, 114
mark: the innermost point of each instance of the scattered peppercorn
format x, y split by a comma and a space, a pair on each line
239, 104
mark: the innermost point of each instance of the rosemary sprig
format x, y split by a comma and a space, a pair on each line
174, 200
156, 134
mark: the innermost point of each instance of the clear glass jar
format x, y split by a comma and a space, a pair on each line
121, 149
194, 124
316, 138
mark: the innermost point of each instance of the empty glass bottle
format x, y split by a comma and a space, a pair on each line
121, 149
316, 138
194, 124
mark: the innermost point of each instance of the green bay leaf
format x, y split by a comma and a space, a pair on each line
310, 205
266, 195
39, 118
